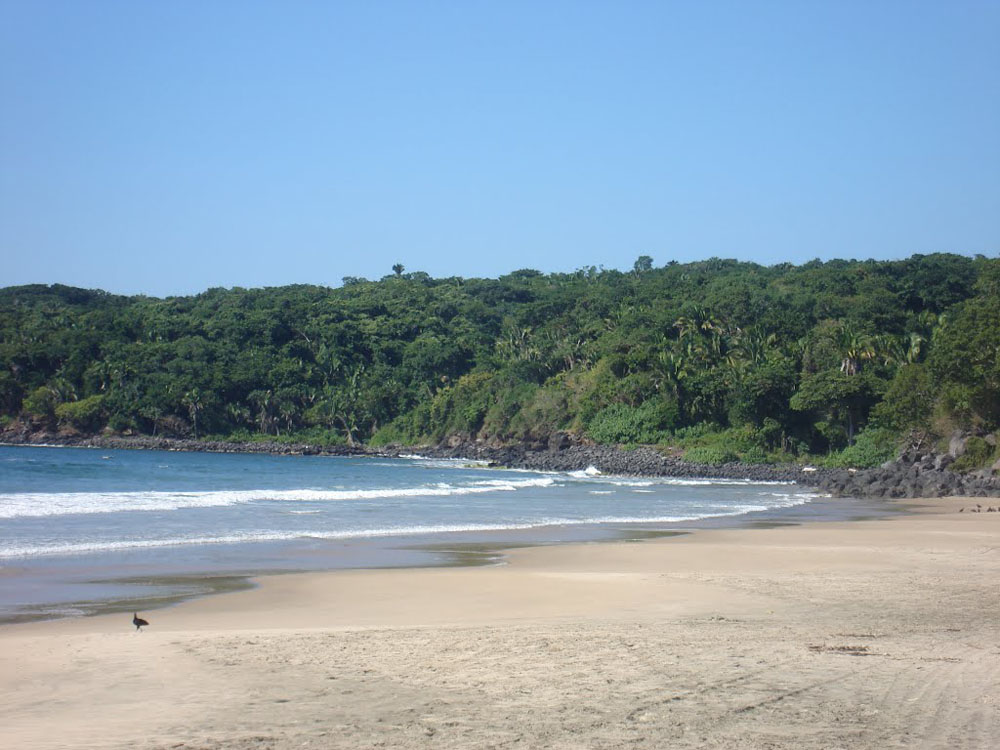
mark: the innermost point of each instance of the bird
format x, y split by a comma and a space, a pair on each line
138, 621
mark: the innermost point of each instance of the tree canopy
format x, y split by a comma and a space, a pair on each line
788, 358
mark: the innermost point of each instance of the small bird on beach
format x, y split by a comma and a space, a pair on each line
138, 621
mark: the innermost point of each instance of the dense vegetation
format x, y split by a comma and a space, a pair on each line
844, 358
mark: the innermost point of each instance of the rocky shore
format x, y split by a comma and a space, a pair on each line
612, 460
914, 474
911, 475
147, 442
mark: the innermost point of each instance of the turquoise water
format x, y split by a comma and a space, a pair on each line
70, 517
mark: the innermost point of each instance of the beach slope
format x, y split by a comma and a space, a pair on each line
869, 634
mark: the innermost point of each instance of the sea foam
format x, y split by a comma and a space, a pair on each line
37, 504
83, 547
31, 550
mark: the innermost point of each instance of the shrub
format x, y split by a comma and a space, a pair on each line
500, 420
695, 431
122, 423
873, 447
909, 400
85, 414
746, 440
712, 456
468, 401
391, 433
620, 423
740, 439
40, 403
320, 436
978, 453
754, 455
546, 412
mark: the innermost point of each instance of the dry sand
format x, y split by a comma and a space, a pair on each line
869, 634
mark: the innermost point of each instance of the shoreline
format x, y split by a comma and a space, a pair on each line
156, 590
643, 461
497, 553
853, 634
913, 474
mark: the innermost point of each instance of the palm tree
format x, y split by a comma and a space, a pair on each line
699, 321
288, 410
855, 348
154, 414
264, 401
752, 346
237, 413
515, 343
900, 350
194, 403
61, 389
917, 348
671, 368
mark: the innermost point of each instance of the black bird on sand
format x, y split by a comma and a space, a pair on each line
138, 621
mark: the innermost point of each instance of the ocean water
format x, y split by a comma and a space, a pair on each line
86, 525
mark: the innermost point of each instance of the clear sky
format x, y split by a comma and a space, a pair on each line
168, 147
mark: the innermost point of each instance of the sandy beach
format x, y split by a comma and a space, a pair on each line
866, 634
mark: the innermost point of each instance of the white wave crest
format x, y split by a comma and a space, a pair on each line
33, 550
718, 482
595, 475
96, 546
31, 504
444, 463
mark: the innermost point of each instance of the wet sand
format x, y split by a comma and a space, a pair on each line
48, 587
867, 634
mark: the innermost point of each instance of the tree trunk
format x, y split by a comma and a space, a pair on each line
347, 431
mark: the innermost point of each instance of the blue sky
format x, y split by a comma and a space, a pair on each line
165, 148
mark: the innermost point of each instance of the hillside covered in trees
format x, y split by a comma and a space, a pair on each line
847, 359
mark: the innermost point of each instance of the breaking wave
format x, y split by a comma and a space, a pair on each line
30, 504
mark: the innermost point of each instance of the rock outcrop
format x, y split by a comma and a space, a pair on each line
913, 474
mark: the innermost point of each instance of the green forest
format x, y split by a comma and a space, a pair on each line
843, 360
